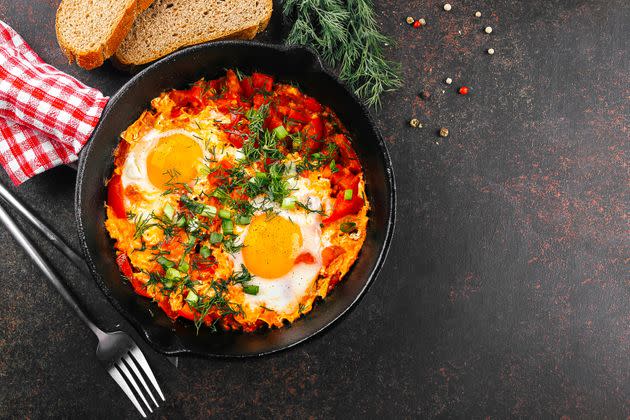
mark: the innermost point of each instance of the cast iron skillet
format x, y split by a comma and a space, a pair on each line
291, 64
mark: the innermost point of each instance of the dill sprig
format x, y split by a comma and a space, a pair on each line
346, 36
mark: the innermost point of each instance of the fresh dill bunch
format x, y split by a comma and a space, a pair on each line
346, 36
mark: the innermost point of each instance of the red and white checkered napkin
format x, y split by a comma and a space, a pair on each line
46, 116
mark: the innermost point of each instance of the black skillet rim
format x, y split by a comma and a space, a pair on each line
384, 155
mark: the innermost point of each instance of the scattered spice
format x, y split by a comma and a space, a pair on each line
410, 20
490, 51
488, 30
415, 123
417, 24
478, 14
422, 21
448, 81
463, 90
425, 94
443, 132
447, 7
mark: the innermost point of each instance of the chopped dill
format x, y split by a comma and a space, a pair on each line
346, 35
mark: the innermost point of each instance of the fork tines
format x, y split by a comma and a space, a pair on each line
123, 376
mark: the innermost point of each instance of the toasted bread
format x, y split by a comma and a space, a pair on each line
168, 25
89, 32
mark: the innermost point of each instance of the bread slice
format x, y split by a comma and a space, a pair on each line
168, 25
90, 31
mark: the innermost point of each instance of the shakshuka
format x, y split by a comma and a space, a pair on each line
236, 203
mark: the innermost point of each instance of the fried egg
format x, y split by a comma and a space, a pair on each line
283, 253
157, 160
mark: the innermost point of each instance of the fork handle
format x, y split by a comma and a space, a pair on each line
48, 271
79, 262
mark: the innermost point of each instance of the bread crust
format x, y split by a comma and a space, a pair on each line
91, 59
245, 33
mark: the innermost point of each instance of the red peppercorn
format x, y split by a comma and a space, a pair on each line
463, 90
417, 24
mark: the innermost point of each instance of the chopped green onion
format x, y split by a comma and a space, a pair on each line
291, 169
172, 273
191, 240
228, 226
261, 175
215, 238
280, 132
192, 297
347, 194
165, 262
183, 267
168, 284
209, 211
244, 220
288, 203
169, 211
347, 227
250, 289
220, 194
225, 214
333, 167
205, 251
181, 221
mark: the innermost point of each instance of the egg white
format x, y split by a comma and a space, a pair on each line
135, 172
283, 294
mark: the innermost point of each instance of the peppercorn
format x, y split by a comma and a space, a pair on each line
417, 24
463, 90
409, 20
415, 123
443, 132
425, 94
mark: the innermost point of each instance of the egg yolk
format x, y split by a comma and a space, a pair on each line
271, 246
174, 159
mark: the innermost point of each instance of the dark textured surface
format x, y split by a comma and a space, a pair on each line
506, 291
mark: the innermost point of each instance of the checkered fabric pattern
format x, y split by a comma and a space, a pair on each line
46, 116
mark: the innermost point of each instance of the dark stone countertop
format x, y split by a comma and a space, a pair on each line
505, 292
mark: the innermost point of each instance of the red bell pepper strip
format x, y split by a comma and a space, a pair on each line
236, 140
314, 132
166, 307
312, 105
188, 98
186, 312
125, 268
259, 100
262, 82
298, 116
348, 156
115, 197
272, 121
232, 84
305, 257
247, 87
343, 207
